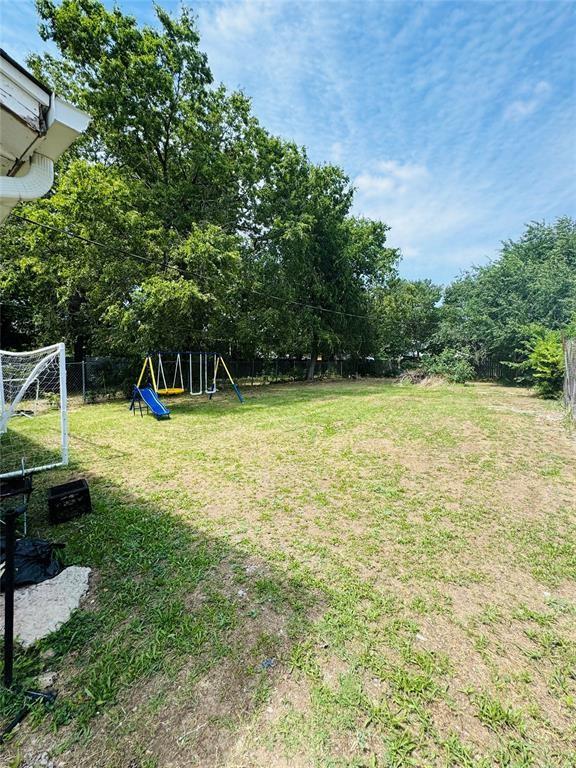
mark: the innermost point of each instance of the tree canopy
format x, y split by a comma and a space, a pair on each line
179, 221
408, 316
533, 281
213, 230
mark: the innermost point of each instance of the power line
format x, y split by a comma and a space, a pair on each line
88, 240
186, 272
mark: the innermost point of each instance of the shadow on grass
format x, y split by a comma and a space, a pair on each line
179, 645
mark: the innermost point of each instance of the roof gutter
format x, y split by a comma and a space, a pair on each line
36, 183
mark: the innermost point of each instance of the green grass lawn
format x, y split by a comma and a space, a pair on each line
339, 574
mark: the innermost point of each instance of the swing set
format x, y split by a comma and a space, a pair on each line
203, 367
177, 378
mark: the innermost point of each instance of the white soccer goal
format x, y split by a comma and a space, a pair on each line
33, 410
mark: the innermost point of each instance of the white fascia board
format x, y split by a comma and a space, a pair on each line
17, 102
25, 83
65, 123
37, 127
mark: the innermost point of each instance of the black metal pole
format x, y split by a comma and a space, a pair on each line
10, 516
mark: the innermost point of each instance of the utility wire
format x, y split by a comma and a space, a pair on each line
186, 272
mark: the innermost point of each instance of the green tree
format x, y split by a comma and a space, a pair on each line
547, 360
408, 316
533, 281
166, 149
543, 363
315, 259
155, 113
57, 280
102, 299
541, 354
212, 228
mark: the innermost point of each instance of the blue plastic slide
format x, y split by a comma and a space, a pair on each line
150, 398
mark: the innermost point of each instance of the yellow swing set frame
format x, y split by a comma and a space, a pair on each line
159, 377
165, 390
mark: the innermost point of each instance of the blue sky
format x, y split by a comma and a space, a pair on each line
456, 121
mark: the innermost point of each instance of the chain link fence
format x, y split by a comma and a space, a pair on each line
106, 378
101, 378
570, 375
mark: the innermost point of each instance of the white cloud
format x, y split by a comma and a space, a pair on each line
406, 172
520, 108
390, 178
425, 213
372, 185
240, 19
287, 56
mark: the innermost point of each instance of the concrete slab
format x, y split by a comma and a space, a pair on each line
41, 609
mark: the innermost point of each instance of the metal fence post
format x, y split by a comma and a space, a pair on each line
84, 379
9, 581
570, 375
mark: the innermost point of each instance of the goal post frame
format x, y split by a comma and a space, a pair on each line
63, 403
55, 352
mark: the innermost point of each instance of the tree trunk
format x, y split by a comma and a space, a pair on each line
79, 346
77, 328
312, 362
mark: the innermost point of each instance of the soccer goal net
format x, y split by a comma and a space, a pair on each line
33, 418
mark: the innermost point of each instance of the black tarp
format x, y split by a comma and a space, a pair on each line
35, 561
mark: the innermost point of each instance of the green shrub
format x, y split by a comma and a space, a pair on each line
452, 364
546, 361
542, 365
53, 400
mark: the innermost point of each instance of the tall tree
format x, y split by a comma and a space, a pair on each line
533, 281
231, 233
310, 254
144, 287
155, 113
408, 315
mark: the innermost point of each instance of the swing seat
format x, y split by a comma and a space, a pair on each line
170, 391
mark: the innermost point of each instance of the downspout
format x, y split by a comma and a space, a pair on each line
36, 183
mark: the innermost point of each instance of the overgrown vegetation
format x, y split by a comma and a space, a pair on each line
452, 364
498, 310
547, 363
542, 361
